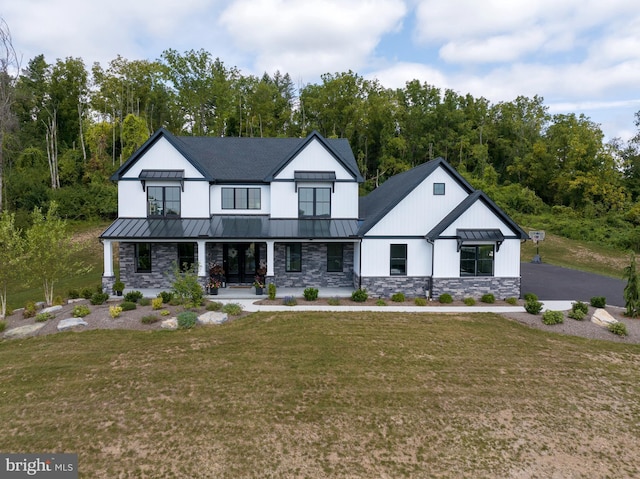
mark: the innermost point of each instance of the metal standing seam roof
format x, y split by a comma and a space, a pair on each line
480, 234
161, 174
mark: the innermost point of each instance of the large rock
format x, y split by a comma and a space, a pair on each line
23, 331
602, 318
51, 309
171, 324
70, 323
212, 317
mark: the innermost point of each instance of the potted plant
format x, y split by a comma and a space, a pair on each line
118, 287
213, 285
259, 280
216, 275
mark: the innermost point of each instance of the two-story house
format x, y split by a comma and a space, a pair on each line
292, 204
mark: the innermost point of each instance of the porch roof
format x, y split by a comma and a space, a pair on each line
235, 227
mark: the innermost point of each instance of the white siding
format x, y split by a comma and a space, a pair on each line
376, 256
284, 199
162, 156
315, 157
216, 200
132, 201
421, 210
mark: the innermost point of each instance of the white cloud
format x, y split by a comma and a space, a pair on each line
399, 74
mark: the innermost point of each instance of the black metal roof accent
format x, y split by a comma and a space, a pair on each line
315, 176
475, 235
161, 175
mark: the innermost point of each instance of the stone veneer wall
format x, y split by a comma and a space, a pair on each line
476, 286
314, 268
385, 286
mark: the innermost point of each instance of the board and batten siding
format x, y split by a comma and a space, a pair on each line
132, 201
314, 157
162, 156
375, 257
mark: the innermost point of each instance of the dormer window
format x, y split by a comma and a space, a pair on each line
163, 200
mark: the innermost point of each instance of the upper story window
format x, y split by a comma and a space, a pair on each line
314, 202
163, 201
438, 188
240, 198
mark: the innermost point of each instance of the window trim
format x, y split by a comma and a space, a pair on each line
234, 196
478, 259
289, 256
164, 202
314, 201
437, 191
334, 257
137, 255
396, 258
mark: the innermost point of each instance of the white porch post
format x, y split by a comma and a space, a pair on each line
270, 270
202, 258
108, 257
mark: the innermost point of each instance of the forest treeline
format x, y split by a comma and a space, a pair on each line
72, 126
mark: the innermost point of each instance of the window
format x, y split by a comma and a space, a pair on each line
293, 259
186, 255
240, 198
163, 200
143, 258
398, 263
438, 188
334, 257
476, 260
314, 202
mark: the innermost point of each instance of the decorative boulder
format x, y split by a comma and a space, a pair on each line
71, 323
52, 309
171, 324
212, 317
23, 331
602, 318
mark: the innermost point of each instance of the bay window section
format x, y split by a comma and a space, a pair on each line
477, 260
163, 201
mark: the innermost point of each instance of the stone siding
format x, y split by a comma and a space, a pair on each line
476, 286
385, 286
314, 268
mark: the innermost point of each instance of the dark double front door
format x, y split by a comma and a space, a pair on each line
240, 262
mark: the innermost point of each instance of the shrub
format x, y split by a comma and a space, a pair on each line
3, 326
166, 296
165, 312
115, 311
128, 305
580, 306
552, 317
86, 293
149, 319
271, 291
144, 301
156, 303
488, 298
29, 310
73, 294
58, 301
334, 301
289, 301
512, 301
42, 317
310, 294
618, 328
533, 306
576, 314
469, 301
234, 309
80, 311
186, 285
598, 301
175, 301
445, 298
133, 296
398, 298
213, 306
530, 297
420, 301
187, 320
359, 295
99, 298
381, 302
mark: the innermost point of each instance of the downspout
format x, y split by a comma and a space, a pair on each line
360, 265
432, 243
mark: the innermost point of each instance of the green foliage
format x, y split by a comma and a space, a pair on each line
43, 317
115, 311
232, 309
420, 301
128, 305
359, 295
469, 301
598, 301
213, 306
166, 296
118, 286
186, 286
165, 312
580, 306
618, 328
149, 319
398, 297
381, 302
576, 314
530, 297
187, 319
533, 306
86, 293
80, 311
488, 298
133, 296
512, 301
58, 301
156, 303
445, 298
99, 298
552, 317
333, 301
289, 301
310, 294
3, 326
73, 294
29, 310
144, 301
271, 290
12, 257
631, 291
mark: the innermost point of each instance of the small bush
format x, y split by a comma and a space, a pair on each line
29, 310
398, 298
618, 328
289, 301
488, 298
175, 301
144, 301
381, 302
86, 293
310, 294
576, 314
533, 306
115, 311
531, 297
445, 298
187, 320
469, 301
359, 295
580, 306
3, 326
165, 312
150, 318
166, 296
233, 309
99, 298
58, 301
128, 305
133, 296
271, 291
156, 303
335, 301
213, 306
42, 317
598, 301
552, 317
420, 301
73, 294
80, 311
512, 301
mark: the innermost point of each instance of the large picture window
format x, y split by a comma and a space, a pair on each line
143, 257
334, 257
398, 262
240, 198
293, 258
163, 200
476, 260
314, 202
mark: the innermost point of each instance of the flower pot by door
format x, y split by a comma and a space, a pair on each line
258, 290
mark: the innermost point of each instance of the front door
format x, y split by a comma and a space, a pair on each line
240, 262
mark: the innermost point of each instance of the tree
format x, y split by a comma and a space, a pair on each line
51, 251
632, 289
11, 257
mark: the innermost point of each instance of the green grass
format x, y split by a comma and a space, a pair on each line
313, 395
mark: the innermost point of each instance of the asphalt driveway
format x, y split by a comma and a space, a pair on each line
555, 283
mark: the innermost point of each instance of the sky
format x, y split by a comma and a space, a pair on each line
581, 56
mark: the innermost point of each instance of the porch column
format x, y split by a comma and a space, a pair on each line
202, 258
270, 262
108, 257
